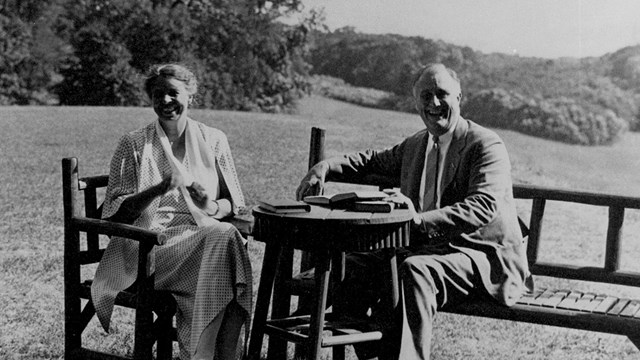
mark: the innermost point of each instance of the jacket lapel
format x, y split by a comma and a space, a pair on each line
415, 174
458, 143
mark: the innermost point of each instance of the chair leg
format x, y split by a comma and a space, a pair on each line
164, 326
143, 342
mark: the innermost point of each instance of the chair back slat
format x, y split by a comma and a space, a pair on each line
91, 211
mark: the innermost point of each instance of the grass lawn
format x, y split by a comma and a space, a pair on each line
270, 153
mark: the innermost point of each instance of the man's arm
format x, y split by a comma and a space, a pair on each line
352, 168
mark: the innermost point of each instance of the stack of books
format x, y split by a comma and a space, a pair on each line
284, 206
359, 200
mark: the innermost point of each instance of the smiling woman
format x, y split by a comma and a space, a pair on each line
177, 176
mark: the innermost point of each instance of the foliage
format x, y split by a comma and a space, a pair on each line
243, 57
99, 73
573, 98
338, 89
14, 42
384, 62
559, 119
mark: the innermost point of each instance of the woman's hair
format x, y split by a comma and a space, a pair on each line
174, 71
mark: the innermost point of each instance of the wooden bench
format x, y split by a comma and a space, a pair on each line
567, 307
83, 249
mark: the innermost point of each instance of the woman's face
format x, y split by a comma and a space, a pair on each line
170, 99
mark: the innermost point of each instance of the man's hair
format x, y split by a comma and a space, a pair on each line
433, 67
171, 71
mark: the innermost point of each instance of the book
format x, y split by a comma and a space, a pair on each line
345, 197
374, 206
284, 206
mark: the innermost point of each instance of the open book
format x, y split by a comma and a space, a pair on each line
285, 206
345, 198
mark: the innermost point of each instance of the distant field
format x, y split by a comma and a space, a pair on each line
270, 153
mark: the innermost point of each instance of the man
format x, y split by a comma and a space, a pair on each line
466, 241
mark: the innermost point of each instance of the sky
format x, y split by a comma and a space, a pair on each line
539, 28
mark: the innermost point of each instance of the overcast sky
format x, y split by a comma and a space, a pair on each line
542, 28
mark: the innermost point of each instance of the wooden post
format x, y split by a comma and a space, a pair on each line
72, 304
535, 227
614, 236
316, 154
316, 146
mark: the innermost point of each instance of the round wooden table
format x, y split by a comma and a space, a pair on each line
327, 234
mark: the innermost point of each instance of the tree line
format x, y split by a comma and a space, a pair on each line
95, 52
584, 101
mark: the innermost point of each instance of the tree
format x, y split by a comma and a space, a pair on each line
99, 73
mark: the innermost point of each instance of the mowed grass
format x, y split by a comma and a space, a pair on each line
271, 153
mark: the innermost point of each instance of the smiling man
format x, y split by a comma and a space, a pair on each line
455, 178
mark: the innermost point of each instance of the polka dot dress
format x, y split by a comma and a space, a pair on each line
204, 267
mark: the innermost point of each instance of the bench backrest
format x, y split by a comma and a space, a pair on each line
609, 272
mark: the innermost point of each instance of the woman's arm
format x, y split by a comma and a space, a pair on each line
133, 206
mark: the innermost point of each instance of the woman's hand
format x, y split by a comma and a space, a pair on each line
313, 182
201, 199
171, 182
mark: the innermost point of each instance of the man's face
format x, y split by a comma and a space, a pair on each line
437, 97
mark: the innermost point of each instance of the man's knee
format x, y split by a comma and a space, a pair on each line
416, 267
417, 274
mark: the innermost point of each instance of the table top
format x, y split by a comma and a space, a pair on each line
323, 228
339, 216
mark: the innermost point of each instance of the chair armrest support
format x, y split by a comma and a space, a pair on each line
110, 228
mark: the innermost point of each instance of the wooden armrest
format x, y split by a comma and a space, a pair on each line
110, 228
244, 222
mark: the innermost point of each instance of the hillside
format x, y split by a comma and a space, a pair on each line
591, 101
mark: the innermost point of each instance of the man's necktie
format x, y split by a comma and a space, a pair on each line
430, 200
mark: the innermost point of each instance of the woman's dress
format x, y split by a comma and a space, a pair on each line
204, 267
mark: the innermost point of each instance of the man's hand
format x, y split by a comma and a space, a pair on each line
313, 182
399, 198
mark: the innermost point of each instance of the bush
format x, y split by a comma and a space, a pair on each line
15, 39
562, 119
99, 73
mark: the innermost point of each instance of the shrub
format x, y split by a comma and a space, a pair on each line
99, 73
561, 119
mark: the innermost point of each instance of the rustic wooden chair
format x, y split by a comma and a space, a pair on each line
78, 254
82, 235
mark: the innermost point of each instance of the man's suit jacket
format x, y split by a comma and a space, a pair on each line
477, 214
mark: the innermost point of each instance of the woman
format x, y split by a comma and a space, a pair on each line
177, 176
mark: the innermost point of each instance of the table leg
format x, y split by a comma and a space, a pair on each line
322, 276
281, 305
265, 288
